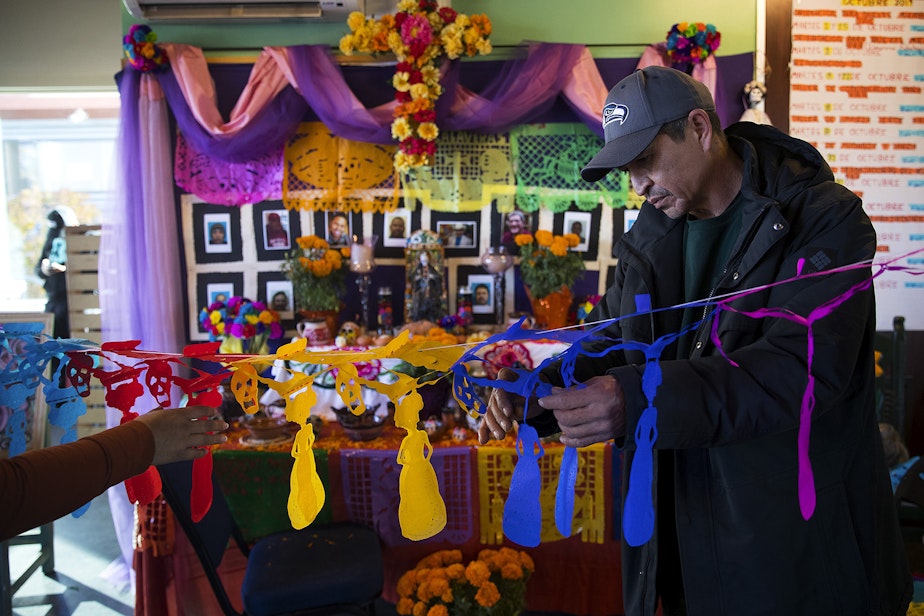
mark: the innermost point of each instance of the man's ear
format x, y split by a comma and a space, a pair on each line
701, 127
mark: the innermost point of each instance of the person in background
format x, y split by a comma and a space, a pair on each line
716, 454
280, 301
515, 224
896, 454
338, 229
52, 265
217, 235
577, 228
39, 486
397, 228
276, 234
482, 294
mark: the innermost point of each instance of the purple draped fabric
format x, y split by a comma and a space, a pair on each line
272, 127
523, 90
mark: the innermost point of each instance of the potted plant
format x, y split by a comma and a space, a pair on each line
242, 325
549, 269
318, 275
494, 584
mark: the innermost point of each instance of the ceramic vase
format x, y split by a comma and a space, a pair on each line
551, 311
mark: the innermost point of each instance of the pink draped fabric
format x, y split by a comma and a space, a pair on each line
706, 72
191, 70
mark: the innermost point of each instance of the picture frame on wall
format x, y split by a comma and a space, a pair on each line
275, 230
279, 297
458, 232
393, 247
575, 219
211, 287
578, 223
338, 227
458, 235
482, 288
507, 225
396, 228
216, 233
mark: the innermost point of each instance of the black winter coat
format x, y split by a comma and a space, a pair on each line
726, 465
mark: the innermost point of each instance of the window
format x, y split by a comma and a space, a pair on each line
57, 150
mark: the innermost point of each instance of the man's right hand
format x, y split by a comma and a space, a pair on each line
503, 410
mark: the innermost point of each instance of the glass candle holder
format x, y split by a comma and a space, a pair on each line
496, 261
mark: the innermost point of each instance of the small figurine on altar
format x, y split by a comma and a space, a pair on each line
348, 334
425, 294
754, 92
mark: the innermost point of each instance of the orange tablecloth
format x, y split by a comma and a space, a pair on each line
578, 575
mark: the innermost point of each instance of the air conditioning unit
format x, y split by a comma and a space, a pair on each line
254, 10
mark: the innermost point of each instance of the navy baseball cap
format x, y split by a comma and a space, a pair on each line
635, 110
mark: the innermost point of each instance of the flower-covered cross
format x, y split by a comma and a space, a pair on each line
420, 34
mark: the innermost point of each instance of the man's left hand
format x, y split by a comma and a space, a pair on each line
589, 413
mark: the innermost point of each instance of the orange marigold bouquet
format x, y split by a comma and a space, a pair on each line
494, 584
547, 262
317, 272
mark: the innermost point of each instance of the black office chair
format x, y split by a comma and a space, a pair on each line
326, 570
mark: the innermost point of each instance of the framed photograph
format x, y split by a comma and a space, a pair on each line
505, 227
482, 287
458, 232
34, 408
275, 230
455, 235
397, 227
279, 297
338, 229
212, 287
579, 223
586, 225
388, 227
216, 233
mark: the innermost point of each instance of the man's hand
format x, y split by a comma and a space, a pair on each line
591, 413
503, 410
184, 433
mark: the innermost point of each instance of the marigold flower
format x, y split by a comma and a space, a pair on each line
544, 237
572, 239
405, 606
477, 573
522, 239
487, 595
428, 131
420, 609
321, 268
527, 561
455, 571
438, 610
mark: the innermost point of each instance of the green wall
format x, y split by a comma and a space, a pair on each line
615, 28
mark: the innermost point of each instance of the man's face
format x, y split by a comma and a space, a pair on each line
397, 227
481, 296
338, 227
668, 175
280, 302
516, 223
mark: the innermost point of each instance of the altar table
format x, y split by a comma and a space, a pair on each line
577, 575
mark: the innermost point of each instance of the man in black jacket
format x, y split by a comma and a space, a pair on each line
765, 500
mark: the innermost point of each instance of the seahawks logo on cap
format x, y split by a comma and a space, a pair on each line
615, 113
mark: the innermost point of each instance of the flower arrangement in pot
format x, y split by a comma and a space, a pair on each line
242, 325
494, 584
549, 269
318, 275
